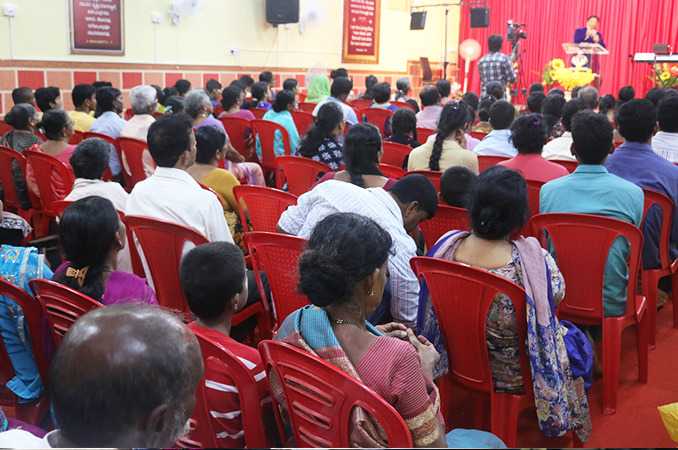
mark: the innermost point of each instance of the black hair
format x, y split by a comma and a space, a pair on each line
344, 249
91, 158
655, 94
239, 84
102, 84
182, 86
667, 114
556, 91
606, 103
230, 97
259, 91
444, 87
341, 86
416, 188
484, 107
81, 93
105, 98
330, 115
495, 89
289, 84
494, 42
535, 100
636, 120
590, 95
19, 116
570, 109
86, 232
456, 184
370, 82
537, 87
529, 133
429, 95
22, 95
212, 85
175, 104
211, 275
625, 94
591, 137
455, 115
498, 203
46, 95
575, 91
502, 114
283, 99
266, 76
362, 145
593, 16
552, 110
208, 139
471, 99
159, 94
402, 88
381, 92
166, 94
53, 121
404, 122
340, 72
169, 137
246, 80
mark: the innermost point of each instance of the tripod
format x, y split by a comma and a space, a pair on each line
521, 86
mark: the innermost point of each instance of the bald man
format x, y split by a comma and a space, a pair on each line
124, 376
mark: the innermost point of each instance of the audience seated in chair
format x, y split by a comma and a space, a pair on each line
124, 376
403, 89
261, 96
321, 142
182, 87
528, 135
214, 280
559, 148
144, 100
404, 128
445, 89
213, 88
318, 89
497, 141
108, 121
48, 98
456, 184
285, 103
606, 106
382, 95
85, 102
341, 89
665, 142
483, 126
431, 108
231, 100
552, 110
399, 210
534, 102
24, 95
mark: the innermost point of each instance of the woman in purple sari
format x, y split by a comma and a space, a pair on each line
91, 235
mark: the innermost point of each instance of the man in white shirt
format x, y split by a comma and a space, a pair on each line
498, 142
559, 148
124, 376
109, 100
665, 142
341, 89
430, 102
399, 210
144, 100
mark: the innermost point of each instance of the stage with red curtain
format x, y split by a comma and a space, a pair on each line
627, 27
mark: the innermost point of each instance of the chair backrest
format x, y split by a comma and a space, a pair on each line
277, 254
390, 171
618, 143
266, 131
432, 175
485, 161
218, 110
300, 173
62, 305
34, 317
258, 112
584, 237
394, 153
128, 114
303, 120
667, 210
533, 189
571, 166
162, 244
447, 218
44, 166
478, 134
5, 128
423, 134
235, 127
426, 72
78, 137
307, 107
219, 358
60, 206
133, 150
361, 103
11, 200
403, 105
462, 296
321, 398
376, 116
265, 205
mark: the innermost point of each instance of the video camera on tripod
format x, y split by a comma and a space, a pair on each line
514, 33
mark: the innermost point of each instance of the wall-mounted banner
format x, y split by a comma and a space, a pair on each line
361, 31
97, 27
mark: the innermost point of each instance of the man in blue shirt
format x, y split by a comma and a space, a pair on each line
109, 101
591, 189
498, 142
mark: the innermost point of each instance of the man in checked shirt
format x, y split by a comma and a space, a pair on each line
495, 66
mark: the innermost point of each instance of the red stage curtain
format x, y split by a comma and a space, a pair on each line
627, 27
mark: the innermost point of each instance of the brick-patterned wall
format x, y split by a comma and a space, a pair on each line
65, 75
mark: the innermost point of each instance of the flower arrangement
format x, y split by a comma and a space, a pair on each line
664, 75
567, 77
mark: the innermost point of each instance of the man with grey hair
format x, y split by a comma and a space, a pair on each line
590, 95
144, 100
124, 376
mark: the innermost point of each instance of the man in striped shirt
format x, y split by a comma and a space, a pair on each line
214, 280
665, 142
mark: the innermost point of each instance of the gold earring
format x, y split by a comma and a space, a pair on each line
370, 293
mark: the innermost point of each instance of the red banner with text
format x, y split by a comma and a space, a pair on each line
361, 31
97, 27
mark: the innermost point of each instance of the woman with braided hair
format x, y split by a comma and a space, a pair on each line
449, 146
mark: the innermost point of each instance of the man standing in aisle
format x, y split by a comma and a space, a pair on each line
495, 66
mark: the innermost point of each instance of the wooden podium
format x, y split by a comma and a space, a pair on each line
590, 51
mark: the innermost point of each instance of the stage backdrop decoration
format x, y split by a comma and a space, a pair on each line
96, 27
361, 31
627, 26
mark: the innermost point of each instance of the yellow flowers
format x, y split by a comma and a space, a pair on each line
557, 64
568, 77
664, 75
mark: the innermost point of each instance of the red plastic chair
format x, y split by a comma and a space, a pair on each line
432, 175
618, 143
533, 189
485, 161
303, 121
423, 134
300, 173
650, 277
78, 137
265, 130
132, 150
236, 128
277, 254
108, 176
34, 411
128, 114
392, 171
61, 205
569, 165
44, 166
462, 325
394, 153
307, 107
581, 243
11, 200
447, 218
377, 116
321, 398
265, 206
216, 357
4, 128
361, 103
403, 105
218, 110
478, 135
258, 112
61, 305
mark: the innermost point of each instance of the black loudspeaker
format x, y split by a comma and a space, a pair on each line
282, 11
418, 20
480, 17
